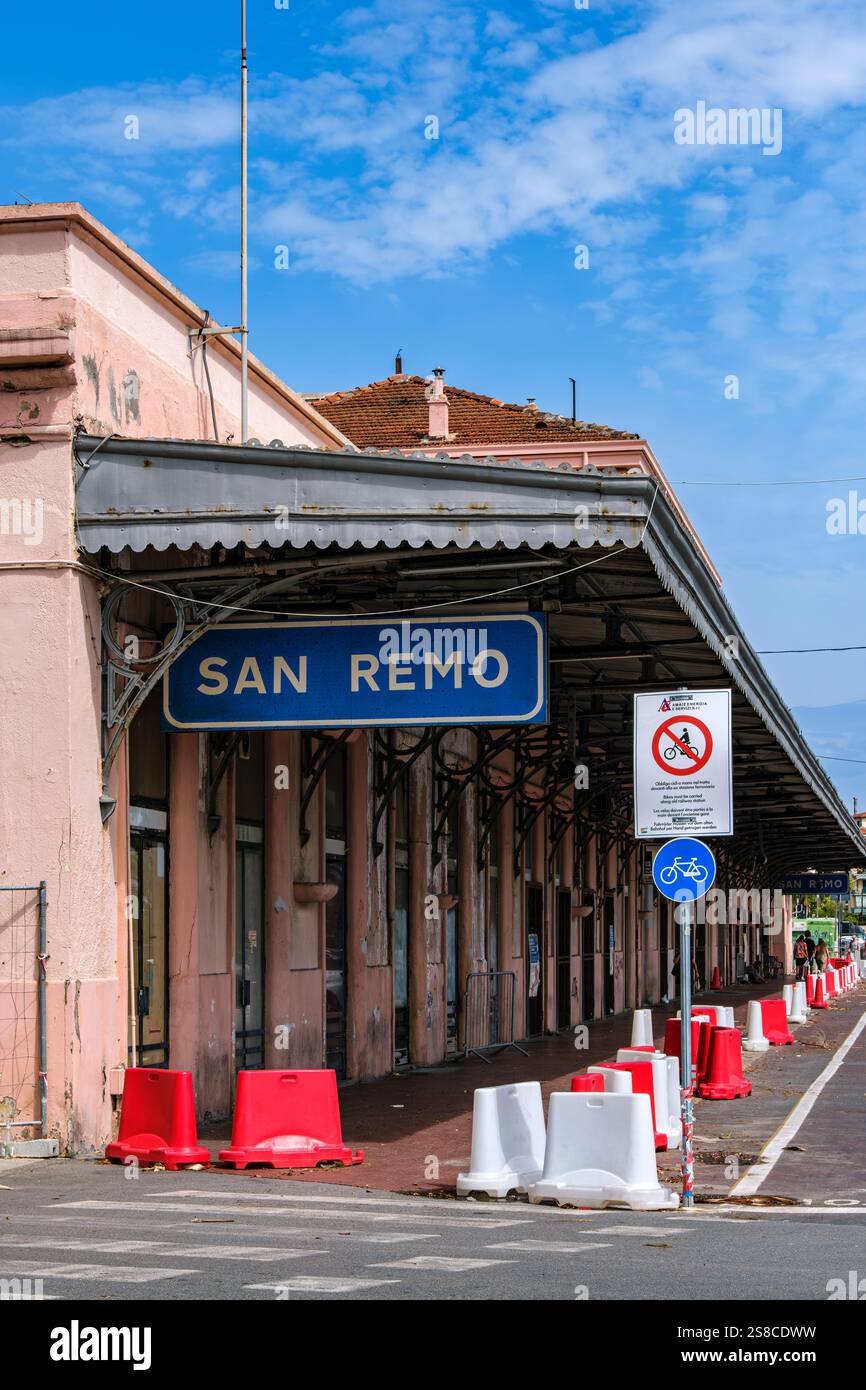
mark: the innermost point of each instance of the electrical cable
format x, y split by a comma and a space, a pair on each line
203, 341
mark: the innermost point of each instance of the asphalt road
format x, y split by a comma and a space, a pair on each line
90, 1232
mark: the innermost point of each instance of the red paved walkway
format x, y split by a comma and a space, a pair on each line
416, 1127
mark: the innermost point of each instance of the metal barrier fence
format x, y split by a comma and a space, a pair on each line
23, 1050
489, 1012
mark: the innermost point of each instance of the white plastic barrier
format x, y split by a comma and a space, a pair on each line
642, 1028
666, 1091
754, 1041
728, 1020
799, 1007
601, 1153
507, 1140
788, 996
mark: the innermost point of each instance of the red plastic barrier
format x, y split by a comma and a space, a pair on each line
820, 1000
703, 1048
641, 1084
829, 986
810, 990
587, 1082
672, 1039
157, 1120
287, 1119
716, 982
774, 1022
724, 1079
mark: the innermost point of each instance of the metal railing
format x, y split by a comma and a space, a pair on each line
22, 956
489, 1012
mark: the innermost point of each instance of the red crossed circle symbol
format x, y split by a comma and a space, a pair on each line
695, 760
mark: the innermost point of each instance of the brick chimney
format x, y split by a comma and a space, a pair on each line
437, 427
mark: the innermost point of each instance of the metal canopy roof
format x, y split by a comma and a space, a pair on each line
631, 604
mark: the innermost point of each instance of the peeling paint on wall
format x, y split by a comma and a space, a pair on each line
92, 371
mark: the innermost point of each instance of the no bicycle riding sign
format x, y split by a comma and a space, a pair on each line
682, 764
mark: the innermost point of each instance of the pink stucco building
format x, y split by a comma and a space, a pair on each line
285, 896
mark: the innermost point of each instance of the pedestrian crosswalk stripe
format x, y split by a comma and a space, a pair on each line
549, 1247
106, 1274
163, 1249
451, 1264
321, 1283
647, 1230
423, 1215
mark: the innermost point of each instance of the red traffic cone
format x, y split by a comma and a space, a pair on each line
724, 1079
820, 1000
716, 982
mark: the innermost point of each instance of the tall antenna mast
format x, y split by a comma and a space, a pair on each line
198, 335
244, 315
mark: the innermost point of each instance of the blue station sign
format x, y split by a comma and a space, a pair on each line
348, 673
833, 885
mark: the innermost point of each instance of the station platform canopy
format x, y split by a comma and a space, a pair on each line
632, 605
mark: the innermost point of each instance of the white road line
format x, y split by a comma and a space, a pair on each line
424, 1215
720, 1213
314, 1283
471, 1210
389, 1237
159, 1249
448, 1264
626, 1230
772, 1151
106, 1274
549, 1247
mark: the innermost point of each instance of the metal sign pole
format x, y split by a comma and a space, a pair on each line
687, 1108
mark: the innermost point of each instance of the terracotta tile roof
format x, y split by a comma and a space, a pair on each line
393, 414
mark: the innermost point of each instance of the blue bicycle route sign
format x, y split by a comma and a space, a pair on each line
684, 870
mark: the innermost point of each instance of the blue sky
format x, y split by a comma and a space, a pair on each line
555, 129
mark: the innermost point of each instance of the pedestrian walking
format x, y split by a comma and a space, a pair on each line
801, 956
675, 971
822, 955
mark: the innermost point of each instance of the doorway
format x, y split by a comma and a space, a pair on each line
701, 953
588, 950
148, 886
148, 853
250, 903
335, 912
534, 960
452, 880
563, 958
249, 948
608, 927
